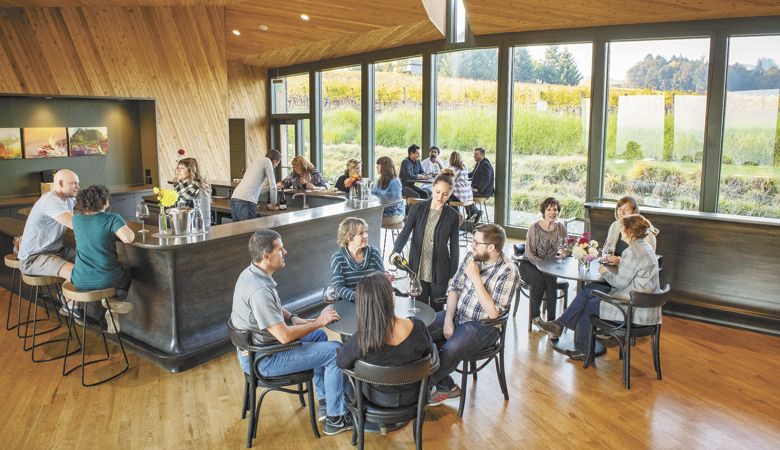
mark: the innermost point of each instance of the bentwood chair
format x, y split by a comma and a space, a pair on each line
242, 339
364, 375
524, 289
484, 357
626, 331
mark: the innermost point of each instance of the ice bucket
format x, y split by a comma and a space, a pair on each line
180, 220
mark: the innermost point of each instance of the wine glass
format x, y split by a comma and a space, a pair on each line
329, 294
142, 213
415, 289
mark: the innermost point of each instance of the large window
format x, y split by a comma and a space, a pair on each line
750, 171
340, 120
550, 129
398, 107
466, 94
291, 94
655, 121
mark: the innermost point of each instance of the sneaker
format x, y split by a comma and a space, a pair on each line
75, 311
338, 424
322, 411
117, 306
437, 397
552, 327
112, 327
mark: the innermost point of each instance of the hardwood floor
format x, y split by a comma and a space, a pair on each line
720, 390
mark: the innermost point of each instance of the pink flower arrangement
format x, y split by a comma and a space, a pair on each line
583, 248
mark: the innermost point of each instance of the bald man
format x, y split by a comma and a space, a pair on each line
42, 250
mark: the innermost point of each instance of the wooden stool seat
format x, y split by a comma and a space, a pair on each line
413, 200
11, 261
75, 295
393, 226
41, 280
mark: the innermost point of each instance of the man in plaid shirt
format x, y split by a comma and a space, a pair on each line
481, 289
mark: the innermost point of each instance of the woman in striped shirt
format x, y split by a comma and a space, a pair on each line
355, 259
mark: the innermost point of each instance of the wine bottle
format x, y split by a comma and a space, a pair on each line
282, 199
401, 263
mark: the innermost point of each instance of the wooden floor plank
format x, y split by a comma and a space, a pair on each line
719, 390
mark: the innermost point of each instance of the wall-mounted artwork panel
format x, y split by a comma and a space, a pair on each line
87, 141
10, 143
45, 142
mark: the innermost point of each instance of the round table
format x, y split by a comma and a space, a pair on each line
570, 269
347, 325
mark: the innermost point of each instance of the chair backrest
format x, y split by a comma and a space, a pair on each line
500, 322
650, 300
240, 338
396, 375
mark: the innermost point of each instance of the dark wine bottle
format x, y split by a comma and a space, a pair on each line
282, 199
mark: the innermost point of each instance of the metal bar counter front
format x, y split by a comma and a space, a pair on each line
182, 287
722, 268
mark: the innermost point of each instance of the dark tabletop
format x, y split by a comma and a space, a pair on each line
347, 326
568, 268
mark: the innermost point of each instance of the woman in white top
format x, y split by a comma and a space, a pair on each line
614, 245
461, 187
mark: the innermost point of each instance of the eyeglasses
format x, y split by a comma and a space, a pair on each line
479, 243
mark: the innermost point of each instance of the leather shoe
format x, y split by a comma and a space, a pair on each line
574, 354
552, 327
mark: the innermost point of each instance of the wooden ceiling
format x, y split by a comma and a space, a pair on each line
504, 16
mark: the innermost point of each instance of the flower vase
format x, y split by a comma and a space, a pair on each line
162, 222
584, 264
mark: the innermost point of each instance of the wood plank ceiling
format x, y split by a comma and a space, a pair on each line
504, 16
336, 27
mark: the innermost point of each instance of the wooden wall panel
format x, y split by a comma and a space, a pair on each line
175, 55
247, 93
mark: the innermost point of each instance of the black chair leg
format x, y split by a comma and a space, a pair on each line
517, 303
251, 426
657, 352
627, 364
361, 430
474, 369
463, 384
500, 368
245, 406
300, 394
312, 413
10, 301
257, 412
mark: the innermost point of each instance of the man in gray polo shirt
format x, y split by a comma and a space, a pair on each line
257, 307
42, 250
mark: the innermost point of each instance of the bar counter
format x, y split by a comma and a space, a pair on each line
182, 287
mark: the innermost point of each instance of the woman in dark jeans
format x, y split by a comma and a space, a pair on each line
385, 340
544, 240
434, 254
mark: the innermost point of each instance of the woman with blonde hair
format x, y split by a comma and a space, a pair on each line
638, 271
388, 187
355, 259
613, 245
303, 176
352, 171
189, 182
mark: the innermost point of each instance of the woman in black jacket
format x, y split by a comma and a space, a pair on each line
434, 251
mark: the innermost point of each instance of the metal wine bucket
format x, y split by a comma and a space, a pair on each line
180, 220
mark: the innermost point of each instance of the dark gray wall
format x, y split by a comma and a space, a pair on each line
122, 165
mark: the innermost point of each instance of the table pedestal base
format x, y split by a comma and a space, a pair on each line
566, 342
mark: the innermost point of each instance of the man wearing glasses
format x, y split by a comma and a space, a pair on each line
481, 289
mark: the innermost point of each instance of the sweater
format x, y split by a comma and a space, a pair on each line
345, 272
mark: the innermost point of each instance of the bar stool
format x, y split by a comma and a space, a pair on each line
465, 234
394, 229
481, 202
13, 263
36, 282
88, 298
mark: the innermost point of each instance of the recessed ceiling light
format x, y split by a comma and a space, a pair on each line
263, 27
237, 33
305, 17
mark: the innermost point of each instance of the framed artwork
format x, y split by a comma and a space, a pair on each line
45, 142
10, 143
87, 141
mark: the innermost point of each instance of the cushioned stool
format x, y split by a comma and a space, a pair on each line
87, 298
36, 282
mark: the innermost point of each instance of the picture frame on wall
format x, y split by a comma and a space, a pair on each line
88, 141
45, 142
10, 143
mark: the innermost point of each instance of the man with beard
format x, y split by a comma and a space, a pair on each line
481, 289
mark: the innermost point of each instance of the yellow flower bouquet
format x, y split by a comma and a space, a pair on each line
166, 198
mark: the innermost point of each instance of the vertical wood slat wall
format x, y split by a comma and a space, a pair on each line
175, 55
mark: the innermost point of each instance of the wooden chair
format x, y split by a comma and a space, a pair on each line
364, 410
494, 352
524, 289
87, 298
242, 339
624, 332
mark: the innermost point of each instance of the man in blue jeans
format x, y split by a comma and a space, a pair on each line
481, 289
257, 307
